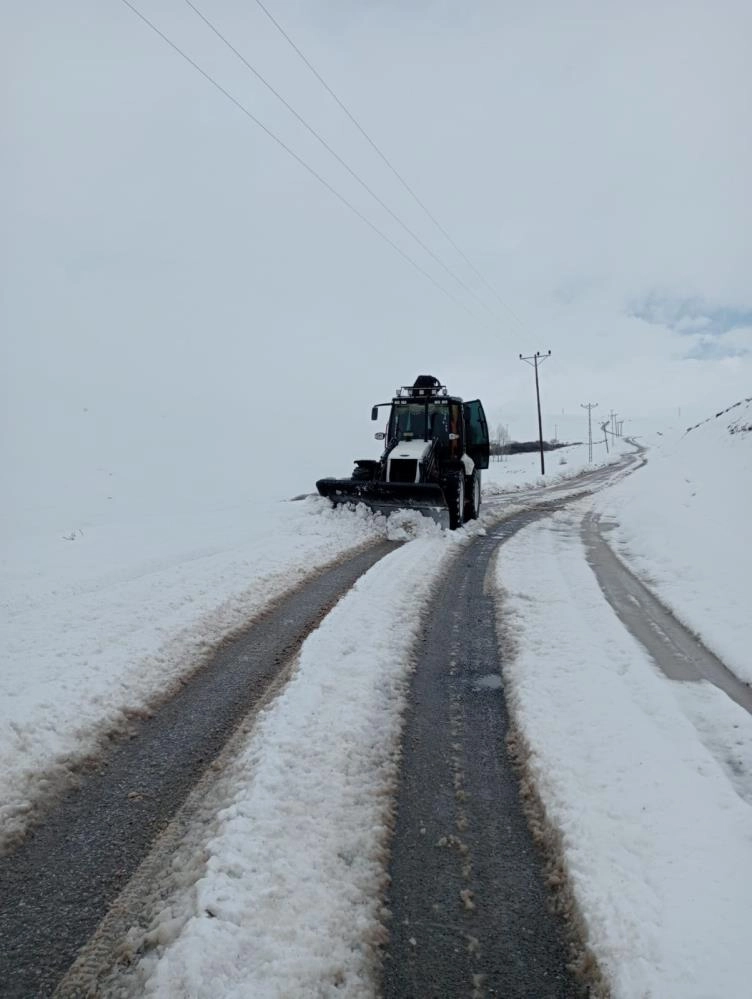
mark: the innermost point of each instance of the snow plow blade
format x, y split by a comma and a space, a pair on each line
387, 497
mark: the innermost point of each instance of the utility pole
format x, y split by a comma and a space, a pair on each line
612, 417
605, 434
589, 406
536, 359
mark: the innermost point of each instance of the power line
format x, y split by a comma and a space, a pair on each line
339, 159
389, 164
297, 158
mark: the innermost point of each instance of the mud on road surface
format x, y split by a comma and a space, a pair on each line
58, 884
471, 913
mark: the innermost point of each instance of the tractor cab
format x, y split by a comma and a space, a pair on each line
425, 411
430, 417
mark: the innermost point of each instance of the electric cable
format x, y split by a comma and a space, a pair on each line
340, 160
388, 163
298, 159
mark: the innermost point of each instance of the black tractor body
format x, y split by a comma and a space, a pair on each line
435, 448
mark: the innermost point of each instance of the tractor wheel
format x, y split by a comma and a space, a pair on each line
455, 494
472, 496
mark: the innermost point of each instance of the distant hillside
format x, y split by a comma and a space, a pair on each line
743, 422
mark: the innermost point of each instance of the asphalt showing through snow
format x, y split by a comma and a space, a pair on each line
58, 884
471, 913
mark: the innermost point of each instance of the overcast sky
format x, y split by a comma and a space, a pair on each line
182, 300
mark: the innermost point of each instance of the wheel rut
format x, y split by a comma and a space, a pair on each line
675, 650
470, 910
60, 881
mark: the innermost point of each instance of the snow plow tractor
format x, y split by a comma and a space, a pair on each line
436, 446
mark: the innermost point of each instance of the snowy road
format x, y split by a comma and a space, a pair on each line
97, 836
59, 884
468, 894
271, 880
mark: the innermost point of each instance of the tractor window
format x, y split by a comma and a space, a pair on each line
439, 422
409, 421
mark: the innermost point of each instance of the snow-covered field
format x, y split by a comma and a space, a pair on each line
657, 838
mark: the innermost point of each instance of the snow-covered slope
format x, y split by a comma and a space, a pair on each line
685, 523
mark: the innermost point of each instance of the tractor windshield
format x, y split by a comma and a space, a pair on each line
424, 421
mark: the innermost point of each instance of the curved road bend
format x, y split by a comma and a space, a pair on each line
589, 481
470, 910
58, 884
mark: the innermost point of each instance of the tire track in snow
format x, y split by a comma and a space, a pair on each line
674, 649
654, 835
470, 906
285, 896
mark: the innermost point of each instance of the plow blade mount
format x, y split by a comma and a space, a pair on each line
386, 497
